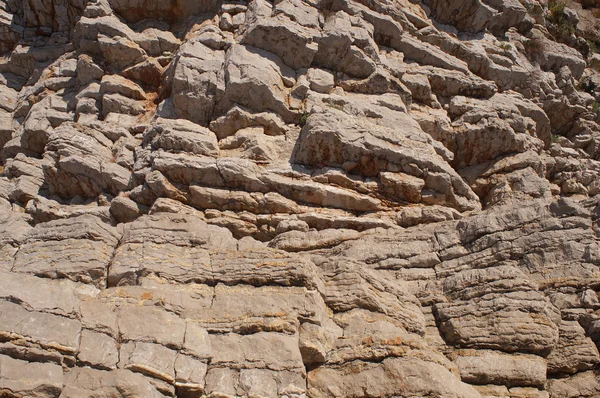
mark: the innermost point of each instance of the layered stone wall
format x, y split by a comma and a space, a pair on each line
297, 198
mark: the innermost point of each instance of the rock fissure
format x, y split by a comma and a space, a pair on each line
299, 199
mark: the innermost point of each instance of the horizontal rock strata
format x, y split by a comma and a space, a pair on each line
299, 198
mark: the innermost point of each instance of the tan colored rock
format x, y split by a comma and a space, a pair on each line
252, 143
189, 374
24, 378
392, 376
39, 328
136, 10
81, 163
57, 298
403, 186
462, 322
301, 190
472, 15
557, 55
182, 135
195, 78
216, 260
257, 80
223, 199
574, 353
584, 384
153, 360
98, 350
260, 350
238, 118
519, 134
323, 143
298, 198
86, 382
124, 209
80, 249
118, 84
6, 131
487, 367
320, 80
265, 33
87, 70
43, 210
120, 52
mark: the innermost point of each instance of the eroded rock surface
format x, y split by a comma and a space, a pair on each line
298, 198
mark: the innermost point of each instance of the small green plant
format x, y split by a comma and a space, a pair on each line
505, 46
595, 106
586, 84
557, 16
556, 9
555, 138
593, 46
303, 119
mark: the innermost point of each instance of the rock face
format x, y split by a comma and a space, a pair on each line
298, 198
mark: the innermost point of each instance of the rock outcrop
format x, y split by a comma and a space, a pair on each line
299, 198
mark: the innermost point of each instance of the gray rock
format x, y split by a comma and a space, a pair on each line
271, 33
320, 80
86, 382
195, 79
406, 376
575, 351
124, 209
98, 350
257, 80
298, 198
39, 328
30, 379
80, 249
205, 255
486, 367
322, 143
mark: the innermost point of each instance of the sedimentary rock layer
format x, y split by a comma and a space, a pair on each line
299, 198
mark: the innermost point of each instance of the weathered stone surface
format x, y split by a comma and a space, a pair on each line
261, 350
81, 163
204, 254
124, 209
498, 137
488, 367
86, 382
392, 376
194, 82
21, 378
47, 330
98, 350
299, 198
575, 351
184, 136
238, 118
79, 248
50, 297
270, 34
333, 139
584, 384
257, 80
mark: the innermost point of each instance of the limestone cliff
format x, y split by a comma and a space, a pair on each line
299, 198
